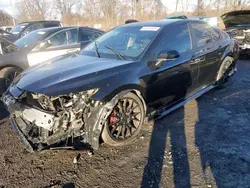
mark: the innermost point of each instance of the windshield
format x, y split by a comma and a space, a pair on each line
18, 28
30, 39
130, 42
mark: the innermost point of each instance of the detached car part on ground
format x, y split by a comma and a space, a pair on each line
134, 72
237, 25
39, 46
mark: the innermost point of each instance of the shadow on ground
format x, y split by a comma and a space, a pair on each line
221, 135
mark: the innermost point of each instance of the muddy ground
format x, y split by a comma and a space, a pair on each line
204, 144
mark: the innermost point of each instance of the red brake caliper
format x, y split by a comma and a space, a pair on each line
112, 119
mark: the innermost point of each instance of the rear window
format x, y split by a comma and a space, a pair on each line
51, 24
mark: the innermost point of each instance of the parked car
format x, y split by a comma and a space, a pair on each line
4, 33
42, 45
24, 28
237, 25
133, 72
6, 28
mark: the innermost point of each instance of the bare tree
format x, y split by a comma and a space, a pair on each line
30, 10
67, 6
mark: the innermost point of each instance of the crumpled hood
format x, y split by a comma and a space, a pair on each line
67, 74
236, 18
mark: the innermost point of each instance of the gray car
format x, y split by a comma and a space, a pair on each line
39, 46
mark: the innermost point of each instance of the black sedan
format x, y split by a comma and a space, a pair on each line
134, 72
39, 46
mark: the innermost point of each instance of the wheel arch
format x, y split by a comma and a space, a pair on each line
134, 88
10, 65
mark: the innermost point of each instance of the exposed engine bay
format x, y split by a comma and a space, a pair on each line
242, 35
46, 121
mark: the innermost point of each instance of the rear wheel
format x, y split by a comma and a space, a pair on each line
7, 75
125, 121
227, 69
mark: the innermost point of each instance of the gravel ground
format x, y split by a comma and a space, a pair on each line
204, 144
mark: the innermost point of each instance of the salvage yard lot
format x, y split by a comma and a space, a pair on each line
204, 144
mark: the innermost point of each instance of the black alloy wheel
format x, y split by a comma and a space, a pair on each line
125, 121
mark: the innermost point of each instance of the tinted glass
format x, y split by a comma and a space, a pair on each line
58, 39
204, 34
51, 24
86, 35
130, 41
18, 28
214, 34
30, 39
72, 36
33, 27
177, 38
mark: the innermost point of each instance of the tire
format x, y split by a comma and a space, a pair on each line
7, 75
121, 121
223, 75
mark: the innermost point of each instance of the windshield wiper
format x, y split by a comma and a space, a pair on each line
96, 49
119, 54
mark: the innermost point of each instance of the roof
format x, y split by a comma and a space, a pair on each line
39, 21
159, 23
181, 16
55, 29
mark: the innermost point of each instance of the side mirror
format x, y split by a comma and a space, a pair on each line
44, 45
168, 55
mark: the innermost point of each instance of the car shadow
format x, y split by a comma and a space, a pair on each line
174, 127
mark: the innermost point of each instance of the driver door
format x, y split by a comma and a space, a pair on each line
61, 43
175, 79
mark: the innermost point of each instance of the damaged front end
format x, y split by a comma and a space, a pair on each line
43, 122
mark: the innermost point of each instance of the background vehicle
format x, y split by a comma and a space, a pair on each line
138, 70
24, 28
181, 16
6, 28
41, 45
237, 25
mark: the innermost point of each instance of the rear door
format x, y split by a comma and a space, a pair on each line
61, 43
175, 79
207, 54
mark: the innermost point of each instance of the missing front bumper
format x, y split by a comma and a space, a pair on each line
19, 133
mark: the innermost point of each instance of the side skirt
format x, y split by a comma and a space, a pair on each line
167, 111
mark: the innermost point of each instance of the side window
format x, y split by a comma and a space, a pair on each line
86, 35
215, 34
72, 36
33, 27
204, 34
58, 39
177, 38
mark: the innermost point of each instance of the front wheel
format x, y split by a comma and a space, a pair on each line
7, 75
125, 121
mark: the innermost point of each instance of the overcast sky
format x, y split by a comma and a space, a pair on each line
6, 5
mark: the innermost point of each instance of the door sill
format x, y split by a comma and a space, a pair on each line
157, 116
